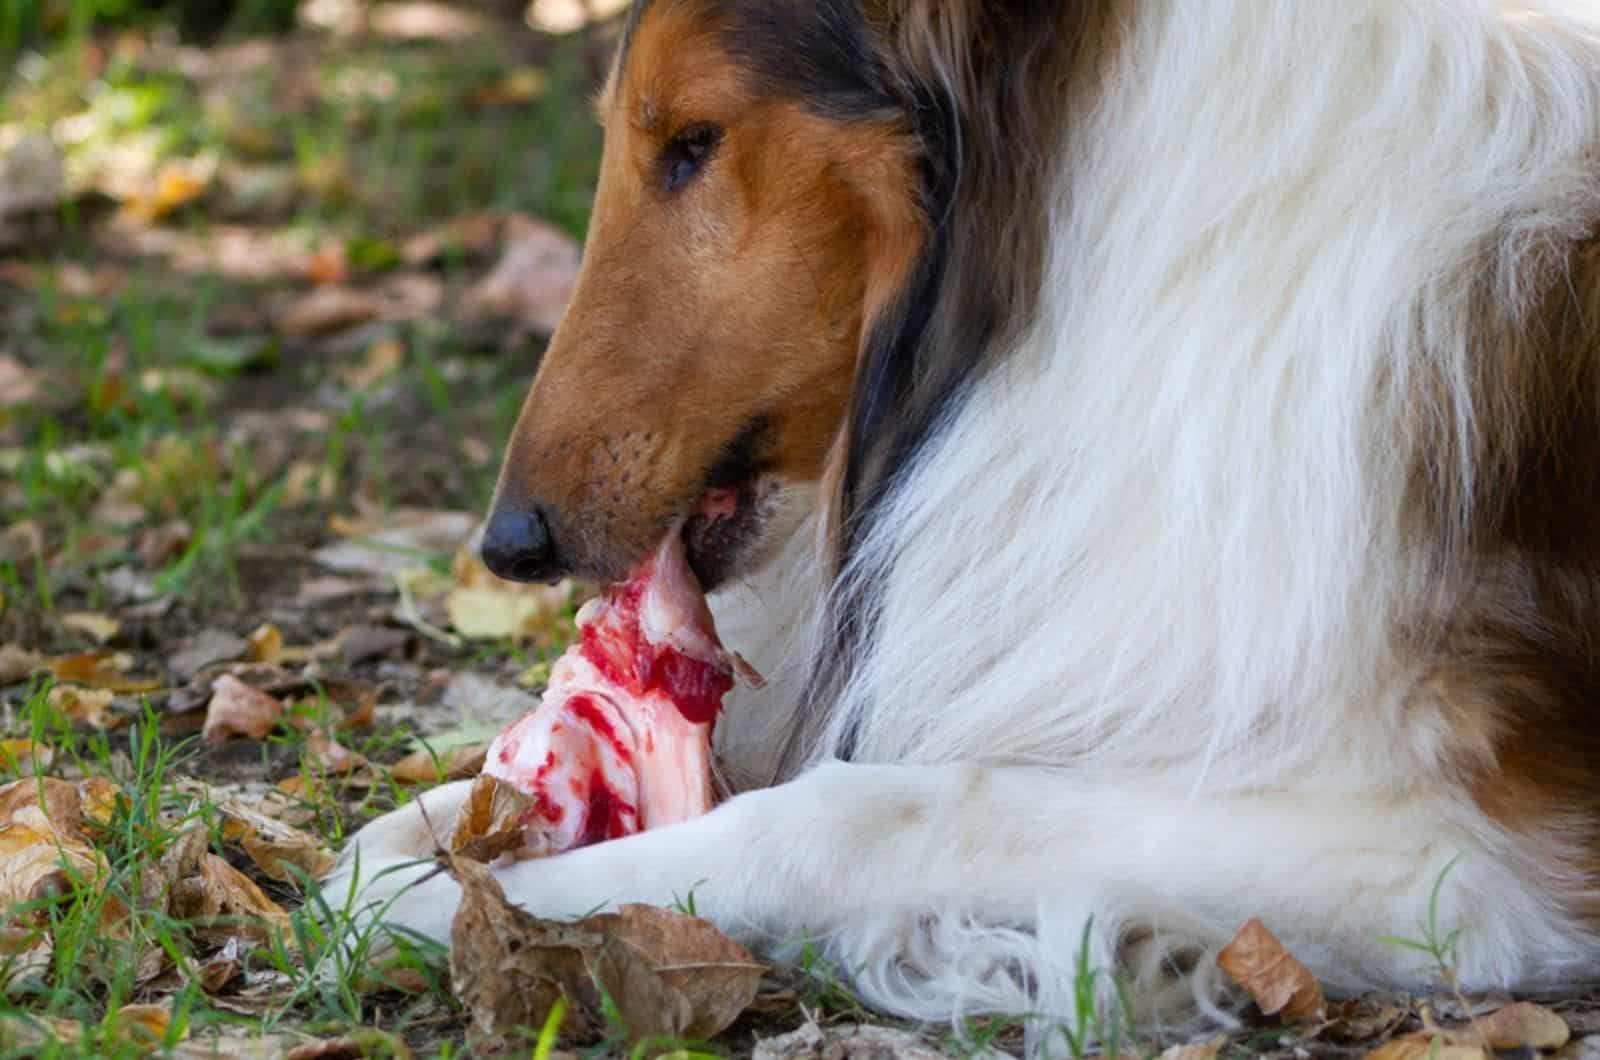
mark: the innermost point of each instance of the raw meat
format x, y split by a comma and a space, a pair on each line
622, 739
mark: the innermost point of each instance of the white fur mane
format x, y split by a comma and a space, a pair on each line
1162, 541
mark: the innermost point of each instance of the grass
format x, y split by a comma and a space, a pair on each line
140, 406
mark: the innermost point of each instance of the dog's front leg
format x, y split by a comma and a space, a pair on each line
954, 865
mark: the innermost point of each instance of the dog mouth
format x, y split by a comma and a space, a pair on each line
724, 527
726, 520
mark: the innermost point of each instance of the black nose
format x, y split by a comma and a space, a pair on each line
517, 545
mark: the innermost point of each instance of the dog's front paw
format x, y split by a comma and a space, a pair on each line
388, 874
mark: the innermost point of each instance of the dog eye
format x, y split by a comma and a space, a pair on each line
686, 155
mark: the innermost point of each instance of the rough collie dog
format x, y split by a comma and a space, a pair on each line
1166, 441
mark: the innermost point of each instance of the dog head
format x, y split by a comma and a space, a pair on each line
757, 196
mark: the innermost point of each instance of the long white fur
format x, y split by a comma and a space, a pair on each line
1133, 659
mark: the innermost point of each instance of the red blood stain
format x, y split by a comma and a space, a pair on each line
586, 710
619, 650
609, 815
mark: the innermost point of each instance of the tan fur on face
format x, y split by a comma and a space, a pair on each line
739, 297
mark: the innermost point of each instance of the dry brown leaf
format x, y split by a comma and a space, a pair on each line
102, 669
37, 861
852, 1042
392, 543
482, 606
102, 628
508, 967
663, 972
472, 236
1427, 1046
143, 1024
272, 844
237, 708
88, 705
59, 801
1523, 1024
490, 614
671, 974
203, 649
533, 279
1364, 1018
179, 183
382, 359
222, 967
364, 1042
422, 766
24, 758
99, 797
226, 902
489, 823
1278, 983
158, 544
329, 264
326, 310
265, 644
1206, 1050
330, 756
16, 663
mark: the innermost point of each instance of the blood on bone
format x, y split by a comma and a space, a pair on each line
622, 739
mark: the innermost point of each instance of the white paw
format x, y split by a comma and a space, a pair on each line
387, 873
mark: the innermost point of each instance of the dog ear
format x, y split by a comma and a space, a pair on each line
985, 90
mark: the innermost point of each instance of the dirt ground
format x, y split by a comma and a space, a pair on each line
268, 305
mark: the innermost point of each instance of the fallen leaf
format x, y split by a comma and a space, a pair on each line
509, 968
58, 800
403, 539
365, 1042
265, 644
273, 844
1426, 1046
1364, 1018
533, 279
329, 264
360, 644
492, 614
851, 1042
1523, 1025
330, 756
99, 798
469, 237
32, 176
671, 974
222, 967
38, 861
660, 972
226, 902
1206, 1050
238, 709
24, 757
117, 512
143, 1024
158, 544
327, 309
87, 705
177, 184
101, 669
523, 84
382, 359
206, 648
16, 663
489, 823
100, 627
1278, 983
19, 384
427, 766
